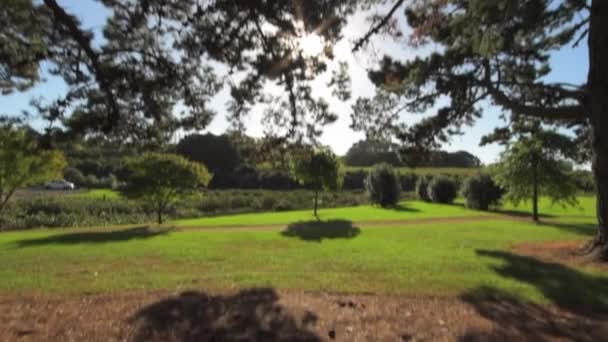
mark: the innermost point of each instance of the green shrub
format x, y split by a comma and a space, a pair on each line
422, 188
59, 210
383, 186
354, 180
72, 174
442, 190
408, 182
480, 192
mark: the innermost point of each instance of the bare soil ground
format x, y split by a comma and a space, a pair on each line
268, 315
565, 252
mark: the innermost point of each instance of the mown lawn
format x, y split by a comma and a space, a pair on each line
422, 259
407, 210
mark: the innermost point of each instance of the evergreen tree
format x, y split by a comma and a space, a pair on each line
496, 51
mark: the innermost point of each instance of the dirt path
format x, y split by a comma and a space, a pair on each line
366, 224
268, 315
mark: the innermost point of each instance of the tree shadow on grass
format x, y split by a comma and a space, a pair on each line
250, 315
316, 231
521, 214
585, 229
515, 320
565, 287
581, 303
403, 208
95, 237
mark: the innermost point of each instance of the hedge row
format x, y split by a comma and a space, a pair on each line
79, 211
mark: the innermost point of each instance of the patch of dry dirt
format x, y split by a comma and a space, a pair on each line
564, 252
268, 315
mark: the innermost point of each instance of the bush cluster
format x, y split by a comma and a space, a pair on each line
480, 192
442, 190
383, 185
422, 186
77, 210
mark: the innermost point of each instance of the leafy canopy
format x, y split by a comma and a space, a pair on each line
495, 52
530, 161
155, 65
23, 163
319, 168
163, 178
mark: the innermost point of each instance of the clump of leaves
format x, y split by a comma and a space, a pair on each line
383, 185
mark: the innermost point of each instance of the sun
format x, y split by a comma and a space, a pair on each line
311, 44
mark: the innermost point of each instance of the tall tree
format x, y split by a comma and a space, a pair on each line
23, 163
532, 167
498, 51
319, 168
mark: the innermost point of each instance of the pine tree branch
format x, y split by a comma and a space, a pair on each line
375, 29
84, 42
554, 113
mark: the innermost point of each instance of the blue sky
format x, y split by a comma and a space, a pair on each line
569, 65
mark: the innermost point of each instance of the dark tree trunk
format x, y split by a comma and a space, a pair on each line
316, 199
598, 114
535, 194
160, 214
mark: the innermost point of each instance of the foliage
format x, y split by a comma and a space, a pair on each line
23, 163
354, 180
480, 192
383, 186
74, 175
246, 177
368, 153
217, 153
442, 190
320, 169
584, 181
408, 181
422, 187
529, 168
108, 208
162, 179
484, 47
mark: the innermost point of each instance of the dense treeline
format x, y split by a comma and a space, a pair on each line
369, 153
239, 164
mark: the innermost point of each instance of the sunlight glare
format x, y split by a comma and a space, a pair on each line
311, 44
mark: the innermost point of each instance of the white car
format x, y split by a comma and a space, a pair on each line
59, 185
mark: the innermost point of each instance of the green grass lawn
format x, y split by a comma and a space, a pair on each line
407, 210
443, 259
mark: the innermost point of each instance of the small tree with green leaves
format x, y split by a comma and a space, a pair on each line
163, 179
23, 163
529, 169
321, 169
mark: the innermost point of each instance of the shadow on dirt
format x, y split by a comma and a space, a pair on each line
250, 315
515, 320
